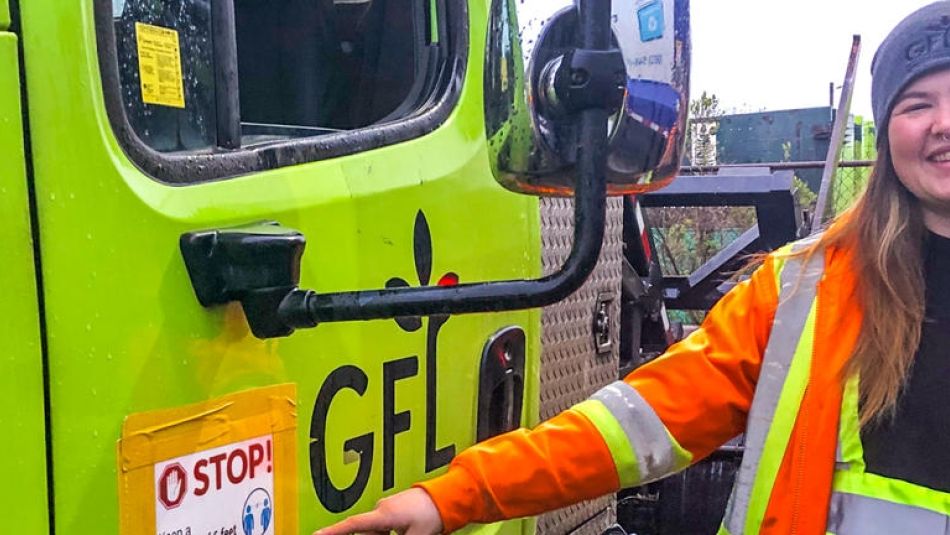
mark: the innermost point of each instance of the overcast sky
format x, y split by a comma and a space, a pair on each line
781, 54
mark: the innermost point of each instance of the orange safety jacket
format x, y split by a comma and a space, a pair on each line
701, 391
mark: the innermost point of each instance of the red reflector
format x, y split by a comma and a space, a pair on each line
449, 279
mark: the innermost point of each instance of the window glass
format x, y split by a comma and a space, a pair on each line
304, 68
164, 46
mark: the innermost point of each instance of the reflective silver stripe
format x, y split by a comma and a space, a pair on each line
655, 454
851, 514
840, 463
799, 288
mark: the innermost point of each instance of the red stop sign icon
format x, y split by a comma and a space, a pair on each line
172, 486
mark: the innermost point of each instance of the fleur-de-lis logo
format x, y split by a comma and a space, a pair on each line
436, 456
422, 254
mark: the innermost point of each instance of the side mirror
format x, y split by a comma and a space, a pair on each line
534, 138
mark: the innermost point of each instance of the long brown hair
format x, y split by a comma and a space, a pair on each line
886, 231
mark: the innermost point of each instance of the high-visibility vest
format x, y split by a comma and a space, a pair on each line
862, 503
868, 504
779, 391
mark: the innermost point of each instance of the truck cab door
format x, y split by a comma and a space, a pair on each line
167, 417
21, 359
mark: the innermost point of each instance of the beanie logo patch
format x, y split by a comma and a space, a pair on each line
936, 37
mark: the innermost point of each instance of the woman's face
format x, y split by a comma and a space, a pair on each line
919, 135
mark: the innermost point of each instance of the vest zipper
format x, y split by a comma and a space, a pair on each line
803, 414
800, 464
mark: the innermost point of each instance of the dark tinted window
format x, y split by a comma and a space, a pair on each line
304, 68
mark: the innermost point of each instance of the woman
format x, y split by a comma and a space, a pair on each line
832, 358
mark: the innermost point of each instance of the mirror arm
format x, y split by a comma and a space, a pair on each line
595, 24
306, 308
589, 78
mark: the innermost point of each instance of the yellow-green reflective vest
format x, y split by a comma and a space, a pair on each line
779, 391
863, 503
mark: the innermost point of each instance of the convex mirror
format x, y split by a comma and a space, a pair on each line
533, 142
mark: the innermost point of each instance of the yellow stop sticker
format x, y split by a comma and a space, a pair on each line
223, 466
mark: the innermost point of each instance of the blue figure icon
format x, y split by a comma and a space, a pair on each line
258, 504
265, 516
249, 521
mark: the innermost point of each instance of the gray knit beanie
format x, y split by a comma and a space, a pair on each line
918, 45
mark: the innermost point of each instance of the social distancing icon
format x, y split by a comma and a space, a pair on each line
258, 512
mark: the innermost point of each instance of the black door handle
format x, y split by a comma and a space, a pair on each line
501, 383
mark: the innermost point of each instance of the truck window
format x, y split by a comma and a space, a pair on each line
311, 76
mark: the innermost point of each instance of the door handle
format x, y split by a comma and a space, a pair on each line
501, 383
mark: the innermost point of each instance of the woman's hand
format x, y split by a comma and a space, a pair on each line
410, 512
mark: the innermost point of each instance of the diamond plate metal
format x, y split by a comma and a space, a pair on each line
571, 369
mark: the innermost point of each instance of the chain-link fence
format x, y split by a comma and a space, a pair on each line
854, 169
848, 185
685, 238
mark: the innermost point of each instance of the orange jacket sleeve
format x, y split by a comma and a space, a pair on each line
702, 386
701, 389
523, 473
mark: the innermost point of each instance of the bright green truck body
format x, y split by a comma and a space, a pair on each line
21, 364
123, 329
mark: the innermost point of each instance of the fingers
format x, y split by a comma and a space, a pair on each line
371, 522
410, 512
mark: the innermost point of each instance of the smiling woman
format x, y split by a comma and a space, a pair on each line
919, 133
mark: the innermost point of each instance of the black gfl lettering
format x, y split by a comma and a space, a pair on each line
350, 377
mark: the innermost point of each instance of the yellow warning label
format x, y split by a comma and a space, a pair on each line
160, 65
225, 466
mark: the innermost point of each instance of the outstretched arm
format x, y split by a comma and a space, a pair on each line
660, 418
